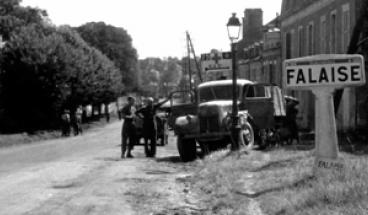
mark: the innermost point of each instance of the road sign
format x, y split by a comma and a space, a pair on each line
216, 65
323, 74
324, 70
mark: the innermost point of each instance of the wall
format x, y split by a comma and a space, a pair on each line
318, 27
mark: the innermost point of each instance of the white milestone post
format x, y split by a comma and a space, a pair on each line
323, 74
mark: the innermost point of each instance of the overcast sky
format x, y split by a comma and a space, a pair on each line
158, 26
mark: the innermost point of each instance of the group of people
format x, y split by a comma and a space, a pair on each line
129, 131
71, 121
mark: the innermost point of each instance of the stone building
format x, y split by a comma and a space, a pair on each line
272, 62
252, 29
260, 56
250, 66
312, 27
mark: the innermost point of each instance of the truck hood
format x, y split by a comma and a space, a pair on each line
219, 103
219, 108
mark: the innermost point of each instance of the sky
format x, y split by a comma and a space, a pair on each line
158, 27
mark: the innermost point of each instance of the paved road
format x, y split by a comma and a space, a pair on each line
84, 175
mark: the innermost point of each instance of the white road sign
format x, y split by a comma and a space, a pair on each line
324, 70
322, 74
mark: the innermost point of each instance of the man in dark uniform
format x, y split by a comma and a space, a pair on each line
129, 130
148, 114
65, 123
291, 115
76, 120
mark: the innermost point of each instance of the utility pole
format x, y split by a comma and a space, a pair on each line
189, 64
195, 57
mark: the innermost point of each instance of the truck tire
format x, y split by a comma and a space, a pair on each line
187, 149
247, 135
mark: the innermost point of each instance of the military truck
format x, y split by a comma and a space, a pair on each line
206, 118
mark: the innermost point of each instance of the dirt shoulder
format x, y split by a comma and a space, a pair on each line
280, 182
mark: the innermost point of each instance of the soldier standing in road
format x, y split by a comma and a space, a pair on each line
129, 130
149, 124
65, 123
77, 121
291, 114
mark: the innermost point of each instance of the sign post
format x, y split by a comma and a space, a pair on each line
323, 74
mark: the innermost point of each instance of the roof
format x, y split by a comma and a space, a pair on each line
225, 82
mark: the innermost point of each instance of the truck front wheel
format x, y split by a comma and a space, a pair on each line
187, 149
247, 135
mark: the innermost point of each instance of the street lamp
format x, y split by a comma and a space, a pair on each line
233, 29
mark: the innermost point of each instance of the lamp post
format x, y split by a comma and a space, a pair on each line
233, 29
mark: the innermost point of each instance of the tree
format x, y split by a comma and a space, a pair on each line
161, 74
116, 44
13, 16
47, 69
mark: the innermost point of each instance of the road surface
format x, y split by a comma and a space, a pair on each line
85, 175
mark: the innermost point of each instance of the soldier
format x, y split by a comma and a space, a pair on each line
65, 123
129, 129
107, 112
291, 114
77, 121
149, 124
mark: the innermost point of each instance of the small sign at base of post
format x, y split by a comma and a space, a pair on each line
323, 74
328, 164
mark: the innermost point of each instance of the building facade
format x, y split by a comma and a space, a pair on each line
252, 29
260, 54
272, 61
311, 27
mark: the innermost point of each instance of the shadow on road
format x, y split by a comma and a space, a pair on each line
170, 159
109, 158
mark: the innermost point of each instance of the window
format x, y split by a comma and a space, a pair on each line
250, 92
220, 92
256, 91
323, 35
288, 45
333, 49
310, 39
301, 42
345, 27
271, 69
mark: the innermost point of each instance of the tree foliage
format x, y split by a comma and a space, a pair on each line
46, 69
161, 75
116, 44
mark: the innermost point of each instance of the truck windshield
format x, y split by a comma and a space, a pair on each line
211, 93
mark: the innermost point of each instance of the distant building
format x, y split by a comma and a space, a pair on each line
252, 28
272, 61
312, 27
250, 66
259, 57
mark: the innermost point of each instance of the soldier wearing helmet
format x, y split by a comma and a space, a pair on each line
129, 130
147, 113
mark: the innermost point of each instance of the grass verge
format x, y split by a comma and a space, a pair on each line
281, 182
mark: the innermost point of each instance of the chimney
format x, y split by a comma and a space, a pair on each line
252, 25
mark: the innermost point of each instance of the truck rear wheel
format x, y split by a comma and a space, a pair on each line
187, 149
